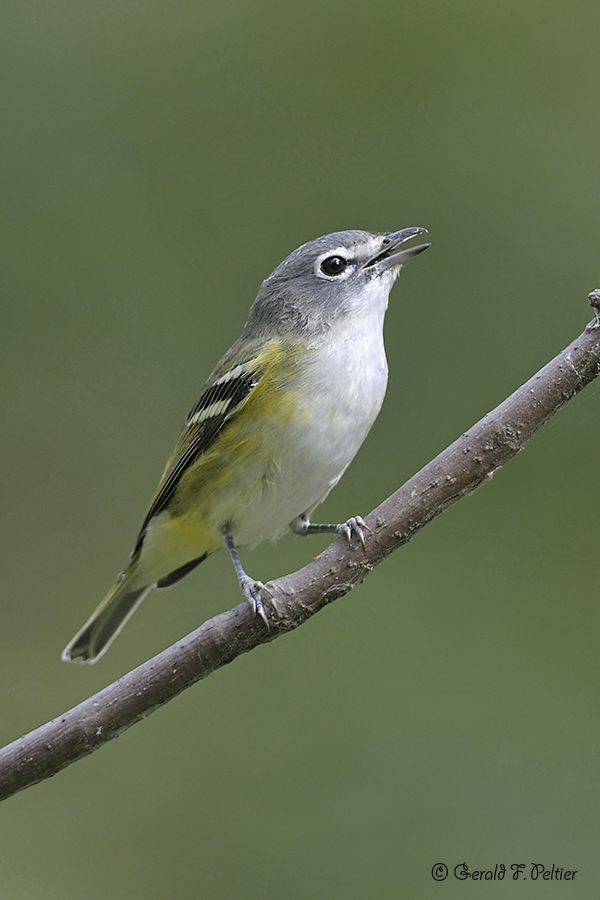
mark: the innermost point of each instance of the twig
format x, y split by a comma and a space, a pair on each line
290, 600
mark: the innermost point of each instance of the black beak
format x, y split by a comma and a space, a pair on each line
390, 256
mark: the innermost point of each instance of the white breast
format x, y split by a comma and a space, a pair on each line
346, 385
343, 386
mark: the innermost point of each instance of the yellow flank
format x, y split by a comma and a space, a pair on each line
246, 448
171, 542
220, 485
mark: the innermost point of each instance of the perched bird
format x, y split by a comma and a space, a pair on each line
276, 426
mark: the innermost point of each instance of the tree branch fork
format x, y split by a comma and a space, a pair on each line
289, 601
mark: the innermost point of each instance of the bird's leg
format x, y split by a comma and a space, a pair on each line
355, 525
250, 588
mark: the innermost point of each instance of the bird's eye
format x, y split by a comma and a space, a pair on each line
333, 265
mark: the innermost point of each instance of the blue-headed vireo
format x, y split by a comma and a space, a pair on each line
276, 426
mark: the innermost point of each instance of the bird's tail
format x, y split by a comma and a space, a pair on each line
106, 621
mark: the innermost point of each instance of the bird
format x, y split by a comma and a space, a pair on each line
277, 424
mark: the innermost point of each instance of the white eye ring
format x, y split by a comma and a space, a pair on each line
333, 265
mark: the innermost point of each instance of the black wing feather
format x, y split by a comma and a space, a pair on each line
195, 438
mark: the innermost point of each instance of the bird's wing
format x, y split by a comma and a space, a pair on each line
223, 395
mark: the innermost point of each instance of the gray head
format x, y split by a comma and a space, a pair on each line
333, 276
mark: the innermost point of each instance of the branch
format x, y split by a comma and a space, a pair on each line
290, 600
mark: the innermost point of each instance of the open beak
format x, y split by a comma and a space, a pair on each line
390, 255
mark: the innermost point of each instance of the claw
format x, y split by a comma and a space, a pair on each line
251, 590
355, 525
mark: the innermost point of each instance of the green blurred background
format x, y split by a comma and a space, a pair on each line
158, 160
